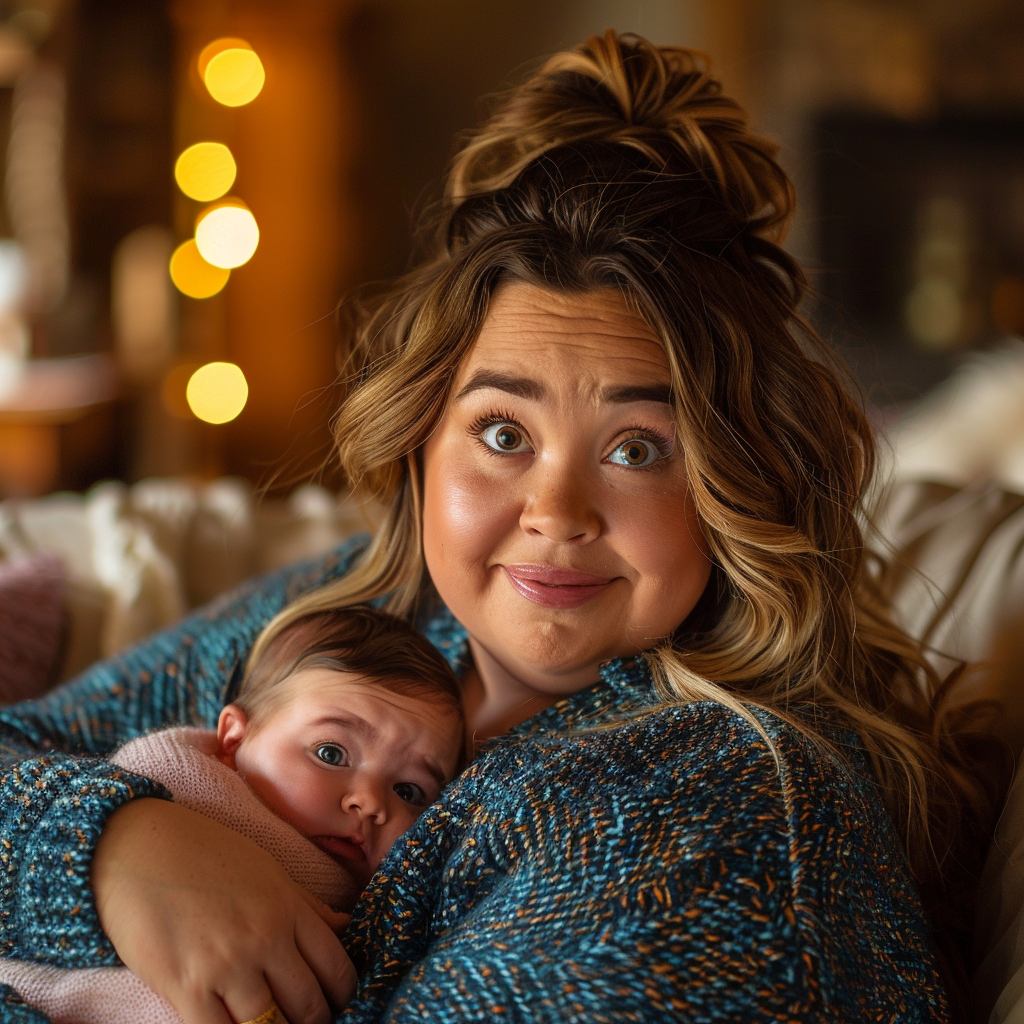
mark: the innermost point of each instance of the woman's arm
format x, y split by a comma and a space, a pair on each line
52, 811
56, 796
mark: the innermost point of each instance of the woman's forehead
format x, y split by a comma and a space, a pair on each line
528, 328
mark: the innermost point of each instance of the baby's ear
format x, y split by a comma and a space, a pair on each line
232, 725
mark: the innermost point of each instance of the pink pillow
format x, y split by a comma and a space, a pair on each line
31, 626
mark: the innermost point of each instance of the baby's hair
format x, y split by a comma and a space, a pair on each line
380, 648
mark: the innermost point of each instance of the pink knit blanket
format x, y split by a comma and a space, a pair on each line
183, 760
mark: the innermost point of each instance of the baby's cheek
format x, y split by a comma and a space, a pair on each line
401, 824
299, 798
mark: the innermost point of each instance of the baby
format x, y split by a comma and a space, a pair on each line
347, 725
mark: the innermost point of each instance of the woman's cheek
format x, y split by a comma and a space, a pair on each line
658, 535
466, 518
665, 539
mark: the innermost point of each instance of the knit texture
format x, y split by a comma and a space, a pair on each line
595, 864
661, 870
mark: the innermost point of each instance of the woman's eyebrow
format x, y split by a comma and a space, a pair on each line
523, 387
638, 393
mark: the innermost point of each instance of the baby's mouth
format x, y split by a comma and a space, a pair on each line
341, 848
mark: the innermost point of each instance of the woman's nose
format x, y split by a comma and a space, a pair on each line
559, 503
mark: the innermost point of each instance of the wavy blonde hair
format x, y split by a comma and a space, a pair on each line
621, 165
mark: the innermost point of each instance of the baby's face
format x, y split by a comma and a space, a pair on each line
346, 762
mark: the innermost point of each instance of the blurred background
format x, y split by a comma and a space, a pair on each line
189, 186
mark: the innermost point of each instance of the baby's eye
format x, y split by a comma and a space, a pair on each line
504, 437
635, 452
332, 754
411, 794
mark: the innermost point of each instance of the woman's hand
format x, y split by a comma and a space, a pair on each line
212, 923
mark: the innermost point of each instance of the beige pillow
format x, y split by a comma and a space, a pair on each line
998, 983
957, 582
956, 578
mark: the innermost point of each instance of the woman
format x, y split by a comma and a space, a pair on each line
623, 493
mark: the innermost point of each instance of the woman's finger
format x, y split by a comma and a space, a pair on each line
335, 919
326, 957
250, 1003
296, 990
205, 1009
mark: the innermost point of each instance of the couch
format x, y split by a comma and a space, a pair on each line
119, 562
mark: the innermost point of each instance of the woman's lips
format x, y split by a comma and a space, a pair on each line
556, 588
340, 848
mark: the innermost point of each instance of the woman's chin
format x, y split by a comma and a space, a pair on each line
554, 658
551, 650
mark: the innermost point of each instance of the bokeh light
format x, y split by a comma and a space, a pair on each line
219, 45
192, 275
227, 235
205, 171
232, 71
217, 392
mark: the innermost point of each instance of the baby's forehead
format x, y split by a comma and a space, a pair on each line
327, 679
364, 702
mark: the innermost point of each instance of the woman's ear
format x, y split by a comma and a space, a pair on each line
232, 725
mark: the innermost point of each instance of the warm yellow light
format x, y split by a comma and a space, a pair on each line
205, 171
219, 45
217, 392
227, 235
232, 71
192, 275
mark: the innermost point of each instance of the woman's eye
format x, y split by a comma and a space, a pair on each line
411, 794
504, 437
332, 754
635, 452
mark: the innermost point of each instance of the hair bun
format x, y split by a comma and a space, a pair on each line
622, 90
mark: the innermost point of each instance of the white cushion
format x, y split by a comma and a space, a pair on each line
138, 558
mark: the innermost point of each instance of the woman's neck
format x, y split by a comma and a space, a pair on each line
494, 700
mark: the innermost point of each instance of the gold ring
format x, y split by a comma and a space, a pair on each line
272, 1015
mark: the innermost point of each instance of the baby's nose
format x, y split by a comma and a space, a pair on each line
367, 798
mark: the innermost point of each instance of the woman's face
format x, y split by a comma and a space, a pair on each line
557, 522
